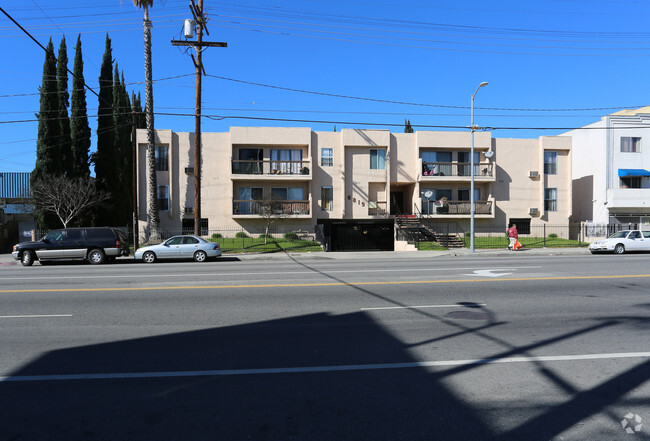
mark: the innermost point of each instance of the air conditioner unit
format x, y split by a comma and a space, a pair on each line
189, 170
188, 210
533, 174
533, 211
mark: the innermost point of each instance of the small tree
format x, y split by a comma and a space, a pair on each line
65, 197
270, 210
407, 126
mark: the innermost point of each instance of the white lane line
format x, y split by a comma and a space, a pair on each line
423, 306
302, 370
35, 316
230, 273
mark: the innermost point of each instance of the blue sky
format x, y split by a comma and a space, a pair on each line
325, 64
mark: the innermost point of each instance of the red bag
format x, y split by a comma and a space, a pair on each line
517, 245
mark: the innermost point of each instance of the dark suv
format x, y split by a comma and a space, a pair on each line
96, 245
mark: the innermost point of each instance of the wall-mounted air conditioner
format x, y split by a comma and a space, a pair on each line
533, 174
533, 211
188, 210
189, 170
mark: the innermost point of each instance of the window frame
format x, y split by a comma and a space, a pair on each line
162, 160
326, 160
550, 162
165, 198
327, 204
550, 203
378, 164
632, 146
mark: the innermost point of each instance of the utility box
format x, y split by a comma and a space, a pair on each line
188, 28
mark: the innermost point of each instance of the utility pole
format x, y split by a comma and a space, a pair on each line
136, 229
199, 45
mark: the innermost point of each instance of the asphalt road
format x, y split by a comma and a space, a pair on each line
309, 348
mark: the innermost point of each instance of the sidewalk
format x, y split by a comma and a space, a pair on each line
6, 259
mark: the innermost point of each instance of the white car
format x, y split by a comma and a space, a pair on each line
179, 247
622, 241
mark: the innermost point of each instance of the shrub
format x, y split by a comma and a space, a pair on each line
267, 236
217, 236
241, 235
552, 236
291, 236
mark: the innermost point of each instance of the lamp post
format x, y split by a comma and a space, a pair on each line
471, 190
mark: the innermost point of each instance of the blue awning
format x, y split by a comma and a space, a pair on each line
623, 172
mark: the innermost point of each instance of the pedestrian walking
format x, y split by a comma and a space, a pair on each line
512, 236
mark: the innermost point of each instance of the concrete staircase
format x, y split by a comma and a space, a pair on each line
416, 231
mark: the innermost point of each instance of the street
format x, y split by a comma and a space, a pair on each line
311, 348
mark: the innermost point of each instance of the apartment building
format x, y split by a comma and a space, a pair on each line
354, 183
611, 169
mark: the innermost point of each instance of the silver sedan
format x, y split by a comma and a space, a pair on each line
179, 247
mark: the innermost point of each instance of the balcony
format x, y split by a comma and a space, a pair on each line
270, 208
457, 171
250, 170
460, 209
633, 200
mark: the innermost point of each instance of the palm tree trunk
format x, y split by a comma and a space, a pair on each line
153, 218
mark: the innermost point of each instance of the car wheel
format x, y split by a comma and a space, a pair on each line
149, 257
27, 258
200, 256
96, 256
619, 248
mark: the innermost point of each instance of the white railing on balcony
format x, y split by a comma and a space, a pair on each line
268, 167
483, 169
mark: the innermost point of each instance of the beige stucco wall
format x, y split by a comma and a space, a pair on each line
353, 183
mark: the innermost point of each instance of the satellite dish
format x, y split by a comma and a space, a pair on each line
489, 154
428, 194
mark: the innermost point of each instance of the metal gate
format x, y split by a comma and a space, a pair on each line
362, 236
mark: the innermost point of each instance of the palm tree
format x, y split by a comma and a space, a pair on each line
153, 218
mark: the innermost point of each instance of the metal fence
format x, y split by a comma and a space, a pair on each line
249, 240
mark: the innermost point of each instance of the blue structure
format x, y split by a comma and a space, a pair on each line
14, 185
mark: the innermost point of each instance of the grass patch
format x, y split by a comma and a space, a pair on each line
526, 242
273, 245
431, 246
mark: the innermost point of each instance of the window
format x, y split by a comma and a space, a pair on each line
463, 194
523, 225
550, 199
287, 194
630, 145
162, 158
432, 199
550, 163
246, 197
438, 163
326, 157
377, 159
327, 199
286, 161
188, 226
250, 162
163, 198
631, 182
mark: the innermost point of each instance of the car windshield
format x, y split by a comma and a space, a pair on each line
619, 234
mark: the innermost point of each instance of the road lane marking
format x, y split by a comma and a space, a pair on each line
308, 285
487, 273
35, 316
424, 306
230, 273
314, 369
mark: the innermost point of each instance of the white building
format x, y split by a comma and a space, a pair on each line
611, 169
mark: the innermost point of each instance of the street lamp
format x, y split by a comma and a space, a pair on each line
471, 190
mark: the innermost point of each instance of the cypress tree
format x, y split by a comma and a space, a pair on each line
105, 128
121, 177
79, 127
407, 126
48, 155
140, 118
64, 121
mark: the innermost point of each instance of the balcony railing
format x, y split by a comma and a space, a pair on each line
270, 207
483, 169
268, 167
456, 208
376, 208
